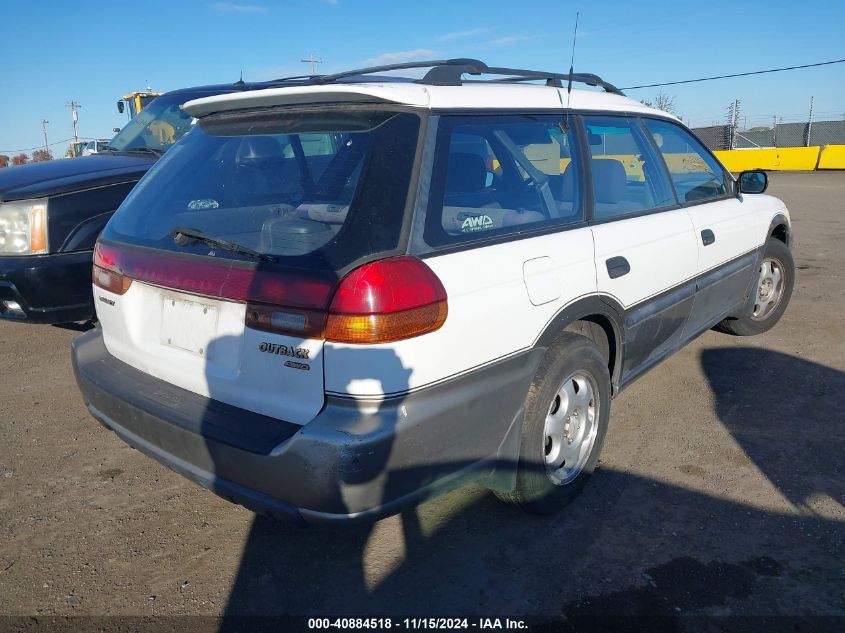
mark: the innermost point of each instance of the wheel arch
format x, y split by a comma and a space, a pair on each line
779, 228
596, 317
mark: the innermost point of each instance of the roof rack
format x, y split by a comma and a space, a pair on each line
450, 72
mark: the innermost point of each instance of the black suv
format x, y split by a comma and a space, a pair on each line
51, 213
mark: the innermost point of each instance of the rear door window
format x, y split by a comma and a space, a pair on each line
495, 175
312, 188
627, 175
696, 174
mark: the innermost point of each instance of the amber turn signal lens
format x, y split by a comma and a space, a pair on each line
38, 231
385, 328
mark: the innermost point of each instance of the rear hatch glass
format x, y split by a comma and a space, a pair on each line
316, 190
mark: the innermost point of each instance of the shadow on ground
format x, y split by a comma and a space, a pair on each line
787, 414
469, 554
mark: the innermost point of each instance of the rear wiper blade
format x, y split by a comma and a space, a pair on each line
183, 236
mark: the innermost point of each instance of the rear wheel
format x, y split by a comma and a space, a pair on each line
772, 291
566, 414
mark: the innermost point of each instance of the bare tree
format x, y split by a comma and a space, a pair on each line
20, 159
40, 155
662, 101
4, 161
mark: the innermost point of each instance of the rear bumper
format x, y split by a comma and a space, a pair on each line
52, 288
353, 460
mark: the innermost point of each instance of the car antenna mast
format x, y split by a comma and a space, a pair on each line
571, 68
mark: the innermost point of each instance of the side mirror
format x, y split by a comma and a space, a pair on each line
120, 107
753, 181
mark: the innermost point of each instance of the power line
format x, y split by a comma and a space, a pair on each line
756, 72
29, 149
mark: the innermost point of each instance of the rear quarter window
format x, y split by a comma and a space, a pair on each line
500, 175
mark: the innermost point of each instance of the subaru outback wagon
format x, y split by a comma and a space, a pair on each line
343, 294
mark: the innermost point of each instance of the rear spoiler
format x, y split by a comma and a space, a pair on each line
404, 94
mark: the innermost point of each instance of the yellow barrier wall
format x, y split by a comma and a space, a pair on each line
832, 157
736, 160
776, 159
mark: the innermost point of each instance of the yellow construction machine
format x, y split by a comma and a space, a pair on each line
136, 101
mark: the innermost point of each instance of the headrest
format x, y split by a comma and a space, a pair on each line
466, 173
258, 148
608, 180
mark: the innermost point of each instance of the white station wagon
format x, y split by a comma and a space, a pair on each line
342, 294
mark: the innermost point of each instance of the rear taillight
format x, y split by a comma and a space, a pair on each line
387, 300
383, 301
106, 273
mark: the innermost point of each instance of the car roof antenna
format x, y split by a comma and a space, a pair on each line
571, 68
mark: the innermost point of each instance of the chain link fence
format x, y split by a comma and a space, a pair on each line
781, 135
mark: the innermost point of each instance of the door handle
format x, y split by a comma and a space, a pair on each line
617, 266
707, 237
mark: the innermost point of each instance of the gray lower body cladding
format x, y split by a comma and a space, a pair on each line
353, 460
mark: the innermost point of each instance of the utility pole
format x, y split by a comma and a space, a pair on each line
774, 130
810, 123
74, 106
736, 122
44, 123
313, 61
733, 123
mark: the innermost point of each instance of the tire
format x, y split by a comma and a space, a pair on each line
572, 383
777, 274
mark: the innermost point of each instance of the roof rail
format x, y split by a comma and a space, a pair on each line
552, 79
450, 72
461, 66
558, 79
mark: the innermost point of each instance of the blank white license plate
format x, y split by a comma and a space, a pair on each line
188, 325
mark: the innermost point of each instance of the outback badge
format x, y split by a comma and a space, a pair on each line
284, 350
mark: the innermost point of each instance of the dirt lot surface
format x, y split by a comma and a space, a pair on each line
721, 491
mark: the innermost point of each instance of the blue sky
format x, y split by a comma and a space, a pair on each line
95, 51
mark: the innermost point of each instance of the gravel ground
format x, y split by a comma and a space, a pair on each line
720, 491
